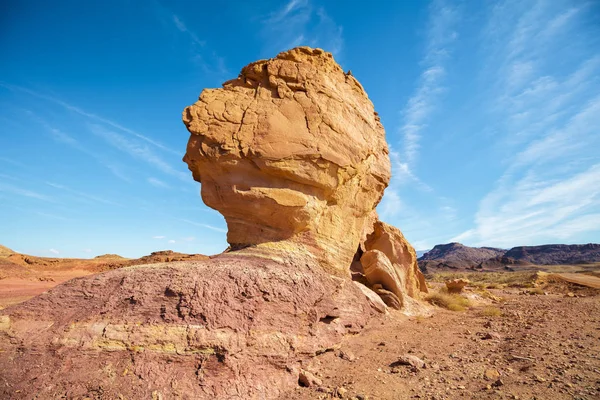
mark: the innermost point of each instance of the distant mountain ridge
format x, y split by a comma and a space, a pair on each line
458, 257
556, 254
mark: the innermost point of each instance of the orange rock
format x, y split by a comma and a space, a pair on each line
389, 264
291, 152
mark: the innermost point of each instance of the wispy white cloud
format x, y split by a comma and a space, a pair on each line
51, 216
183, 28
200, 52
54, 251
69, 140
207, 226
158, 183
440, 38
89, 115
82, 195
12, 189
537, 209
391, 205
549, 189
189, 239
158, 237
137, 150
171, 241
441, 34
300, 22
12, 162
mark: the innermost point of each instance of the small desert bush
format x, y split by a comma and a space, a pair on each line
491, 312
452, 302
486, 294
537, 290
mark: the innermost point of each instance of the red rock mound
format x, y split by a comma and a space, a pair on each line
233, 327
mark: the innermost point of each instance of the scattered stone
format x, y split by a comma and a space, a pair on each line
346, 355
456, 285
491, 336
156, 395
307, 379
341, 392
491, 374
410, 360
498, 383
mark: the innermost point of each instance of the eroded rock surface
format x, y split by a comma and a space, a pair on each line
387, 263
226, 328
291, 152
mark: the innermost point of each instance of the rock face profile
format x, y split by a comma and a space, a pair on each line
293, 155
292, 151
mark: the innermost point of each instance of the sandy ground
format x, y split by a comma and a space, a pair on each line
16, 290
581, 279
541, 347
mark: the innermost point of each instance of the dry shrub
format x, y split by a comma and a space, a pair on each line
537, 290
488, 295
452, 302
491, 312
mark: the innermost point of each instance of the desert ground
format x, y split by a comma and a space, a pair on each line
516, 335
538, 342
24, 276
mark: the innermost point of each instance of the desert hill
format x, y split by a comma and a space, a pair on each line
459, 254
23, 276
458, 257
5, 251
556, 254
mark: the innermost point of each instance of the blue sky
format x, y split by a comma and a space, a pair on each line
492, 113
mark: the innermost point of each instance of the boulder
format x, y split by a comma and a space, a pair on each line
388, 263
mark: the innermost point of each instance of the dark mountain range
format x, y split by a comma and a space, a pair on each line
458, 257
551, 254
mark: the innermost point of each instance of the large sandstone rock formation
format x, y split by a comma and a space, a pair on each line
293, 155
291, 152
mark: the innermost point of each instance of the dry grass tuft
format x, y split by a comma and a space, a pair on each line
491, 312
452, 302
537, 290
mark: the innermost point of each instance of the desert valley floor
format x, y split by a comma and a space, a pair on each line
541, 346
510, 343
